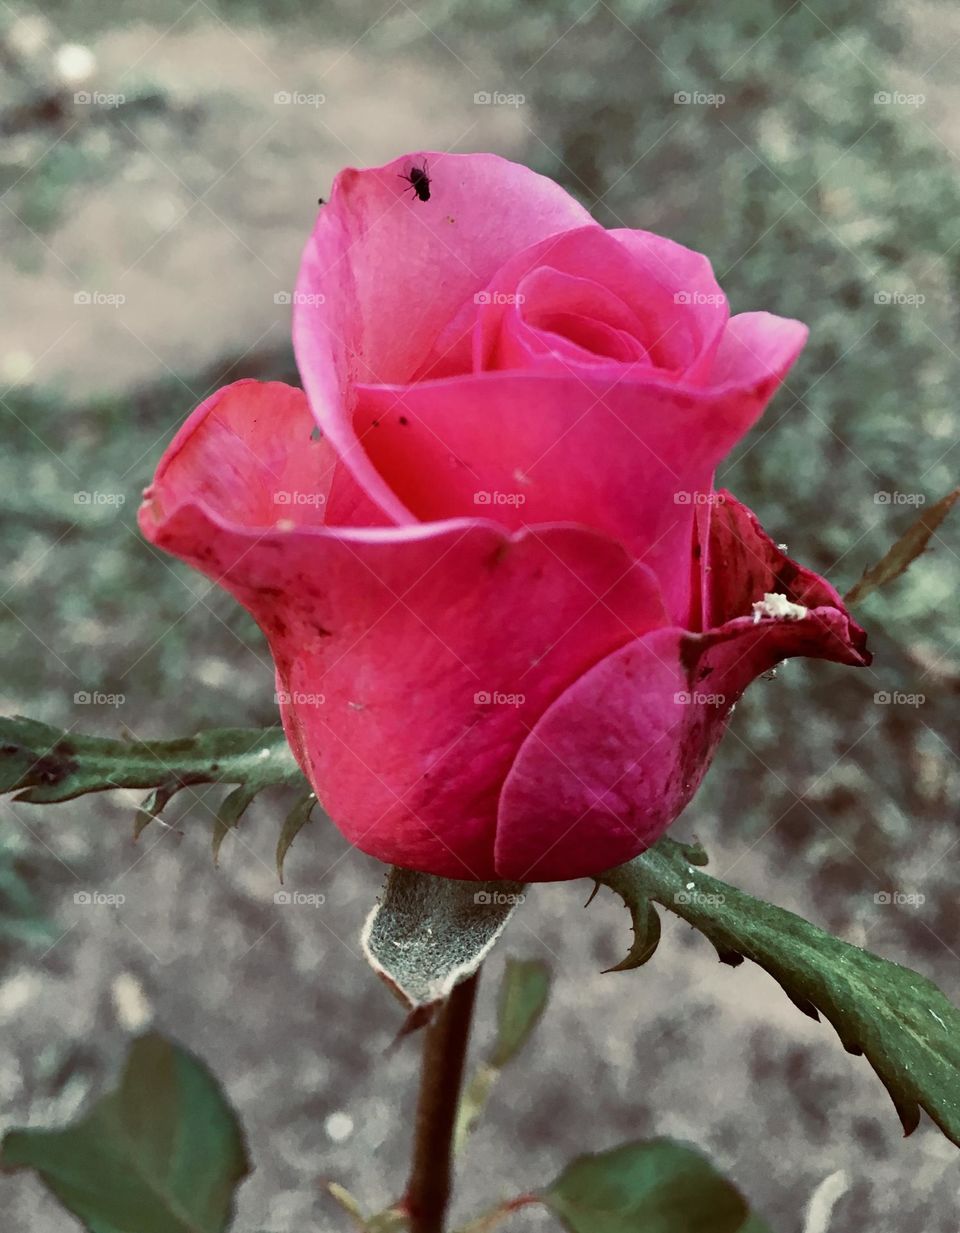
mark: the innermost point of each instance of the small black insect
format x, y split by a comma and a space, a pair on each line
419, 181
321, 201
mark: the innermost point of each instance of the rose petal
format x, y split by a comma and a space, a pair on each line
384, 274
616, 759
251, 450
383, 637
626, 457
678, 328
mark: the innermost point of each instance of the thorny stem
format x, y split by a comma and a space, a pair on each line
441, 1077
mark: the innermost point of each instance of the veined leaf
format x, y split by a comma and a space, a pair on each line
657, 1187
164, 1153
899, 1020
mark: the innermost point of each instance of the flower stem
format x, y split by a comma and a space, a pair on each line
441, 1076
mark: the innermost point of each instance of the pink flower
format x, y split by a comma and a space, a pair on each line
509, 613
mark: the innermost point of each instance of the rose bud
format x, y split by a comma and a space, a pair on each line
508, 611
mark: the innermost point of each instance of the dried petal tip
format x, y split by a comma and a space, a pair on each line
774, 604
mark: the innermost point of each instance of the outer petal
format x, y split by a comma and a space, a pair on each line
384, 274
383, 638
251, 451
618, 756
625, 457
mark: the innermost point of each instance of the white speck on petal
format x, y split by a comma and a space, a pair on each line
781, 547
774, 604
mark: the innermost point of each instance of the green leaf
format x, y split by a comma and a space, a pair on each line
899, 1020
297, 819
43, 764
523, 999
906, 550
427, 934
657, 1187
163, 1153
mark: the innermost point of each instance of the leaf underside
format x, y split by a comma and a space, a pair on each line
427, 934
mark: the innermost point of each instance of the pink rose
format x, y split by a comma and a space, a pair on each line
508, 611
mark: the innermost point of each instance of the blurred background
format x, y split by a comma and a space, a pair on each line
159, 174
